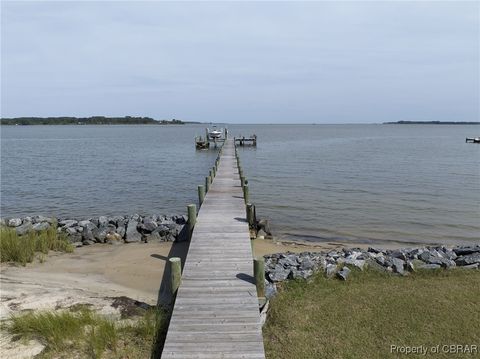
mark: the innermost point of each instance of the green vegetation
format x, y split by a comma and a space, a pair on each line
431, 123
364, 316
23, 249
94, 120
81, 333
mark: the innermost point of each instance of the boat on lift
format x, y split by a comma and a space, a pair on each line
214, 133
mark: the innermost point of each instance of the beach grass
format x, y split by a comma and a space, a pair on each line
371, 312
23, 249
83, 333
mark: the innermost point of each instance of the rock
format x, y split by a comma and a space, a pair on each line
24, 228
330, 270
78, 229
398, 265
344, 273
265, 226
121, 231
88, 243
132, 235
429, 266
68, 223
471, 266
465, 260
355, 262
40, 219
461, 251
288, 260
279, 273
87, 235
100, 234
15, 222
42, 226
152, 237
306, 264
3, 222
113, 237
70, 230
148, 225
77, 244
410, 266
102, 221
75, 237
270, 290
87, 224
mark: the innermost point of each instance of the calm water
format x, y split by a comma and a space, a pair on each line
367, 183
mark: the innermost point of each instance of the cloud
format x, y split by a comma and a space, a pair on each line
248, 62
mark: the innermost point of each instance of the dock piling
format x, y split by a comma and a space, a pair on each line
246, 193
175, 273
208, 180
201, 194
192, 218
259, 272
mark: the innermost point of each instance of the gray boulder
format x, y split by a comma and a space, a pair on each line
306, 264
121, 231
75, 237
42, 226
344, 273
100, 234
15, 222
39, 219
330, 270
132, 234
70, 230
461, 251
279, 273
429, 266
68, 223
468, 259
398, 265
87, 235
102, 221
24, 228
270, 290
148, 225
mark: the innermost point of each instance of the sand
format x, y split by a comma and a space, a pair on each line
95, 275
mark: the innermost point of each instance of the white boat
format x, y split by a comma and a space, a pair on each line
214, 133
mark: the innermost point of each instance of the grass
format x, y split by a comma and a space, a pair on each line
364, 316
24, 249
81, 333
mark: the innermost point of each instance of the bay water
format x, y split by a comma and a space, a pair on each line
406, 184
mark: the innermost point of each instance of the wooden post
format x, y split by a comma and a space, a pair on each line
245, 193
250, 214
201, 194
211, 173
259, 272
192, 218
208, 181
214, 169
175, 273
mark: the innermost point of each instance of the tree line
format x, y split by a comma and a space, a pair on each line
93, 120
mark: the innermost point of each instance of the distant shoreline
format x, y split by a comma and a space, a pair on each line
94, 120
431, 123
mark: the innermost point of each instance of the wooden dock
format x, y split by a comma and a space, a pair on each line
216, 311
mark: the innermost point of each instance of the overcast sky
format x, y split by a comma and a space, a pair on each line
324, 62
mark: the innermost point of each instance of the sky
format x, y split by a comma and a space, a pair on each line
242, 62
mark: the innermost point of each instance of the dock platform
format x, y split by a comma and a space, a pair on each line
216, 311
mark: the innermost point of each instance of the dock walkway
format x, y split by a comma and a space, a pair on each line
216, 309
